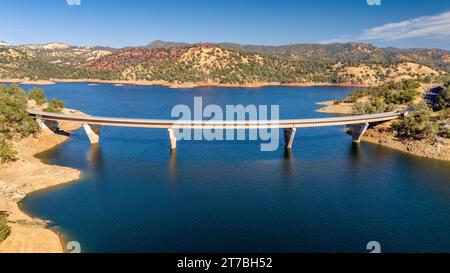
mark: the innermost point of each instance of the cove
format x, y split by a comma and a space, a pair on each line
327, 195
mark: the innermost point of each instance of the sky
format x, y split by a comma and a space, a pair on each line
120, 23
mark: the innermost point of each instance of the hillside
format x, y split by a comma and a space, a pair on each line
223, 63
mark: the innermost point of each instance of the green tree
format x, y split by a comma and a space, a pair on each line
7, 153
38, 95
13, 112
371, 107
14, 119
443, 100
55, 106
417, 124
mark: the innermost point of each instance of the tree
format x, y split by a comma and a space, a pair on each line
38, 95
55, 106
418, 123
443, 100
14, 119
371, 107
13, 112
7, 153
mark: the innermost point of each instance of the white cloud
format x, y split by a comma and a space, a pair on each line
437, 26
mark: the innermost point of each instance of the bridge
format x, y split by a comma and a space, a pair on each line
357, 125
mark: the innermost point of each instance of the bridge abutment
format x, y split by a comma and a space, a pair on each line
173, 139
357, 131
93, 132
42, 125
48, 126
289, 135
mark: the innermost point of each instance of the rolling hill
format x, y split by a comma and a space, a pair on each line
355, 63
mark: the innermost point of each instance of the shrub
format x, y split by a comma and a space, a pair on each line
418, 123
445, 132
371, 107
355, 96
13, 112
37, 95
443, 100
391, 93
7, 153
402, 96
55, 106
14, 119
5, 230
444, 114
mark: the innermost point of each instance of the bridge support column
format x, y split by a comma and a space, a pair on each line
173, 139
357, 131
289, 135
93, 132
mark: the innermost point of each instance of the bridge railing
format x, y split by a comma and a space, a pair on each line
202, 124
356, 124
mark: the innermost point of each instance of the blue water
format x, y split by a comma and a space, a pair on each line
328, 195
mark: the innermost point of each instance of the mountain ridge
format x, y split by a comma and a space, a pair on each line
357, 63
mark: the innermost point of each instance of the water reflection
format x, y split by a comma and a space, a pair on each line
173, 167
288, 164
95, 159
355, 151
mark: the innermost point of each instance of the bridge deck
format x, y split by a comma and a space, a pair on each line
212, 124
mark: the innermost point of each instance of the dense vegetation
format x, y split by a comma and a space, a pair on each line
4, 229
38, 95
227, 63
418, 123
347, 53
425, 121
54, 106
384, 98
422, 120
14, 118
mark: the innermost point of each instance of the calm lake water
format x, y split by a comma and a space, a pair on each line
328, 195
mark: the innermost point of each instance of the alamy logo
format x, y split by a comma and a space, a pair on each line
74, 247
213, 123
374, 247
73, 2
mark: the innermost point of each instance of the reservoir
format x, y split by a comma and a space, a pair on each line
327, 195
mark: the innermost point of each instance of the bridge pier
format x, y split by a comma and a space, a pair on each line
93, 132
173, 139
357, 131
289, 135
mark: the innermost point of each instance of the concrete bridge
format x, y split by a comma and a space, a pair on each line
357, 125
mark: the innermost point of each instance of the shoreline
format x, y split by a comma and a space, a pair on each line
30, 175
331, 108
28, 82
381, 135
189, 85
26, 176
186, 85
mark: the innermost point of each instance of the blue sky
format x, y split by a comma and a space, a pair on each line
400, 23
